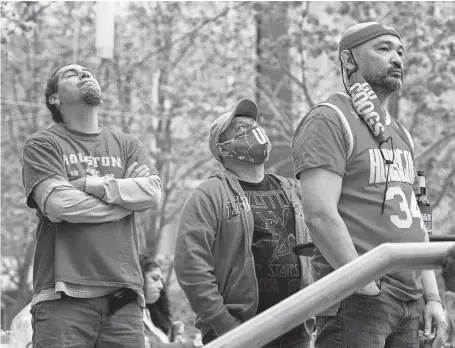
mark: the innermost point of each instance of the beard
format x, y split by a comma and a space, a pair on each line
91, 94
383, 79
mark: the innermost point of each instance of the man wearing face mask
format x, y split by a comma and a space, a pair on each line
356, 169
233, 256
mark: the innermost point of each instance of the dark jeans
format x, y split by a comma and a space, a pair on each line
299, 341
83, 323
380, 321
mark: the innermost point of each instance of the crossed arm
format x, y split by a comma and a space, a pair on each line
98, 200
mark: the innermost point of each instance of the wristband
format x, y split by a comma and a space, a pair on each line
432, 297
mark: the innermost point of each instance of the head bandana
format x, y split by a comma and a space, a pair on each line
352, 38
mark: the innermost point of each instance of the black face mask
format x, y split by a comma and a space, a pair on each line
252, 146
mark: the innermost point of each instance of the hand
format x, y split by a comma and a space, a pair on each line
448, 270
79, 183
140, 172
178, 327
371, 289
197, 340
188, 344
434, 319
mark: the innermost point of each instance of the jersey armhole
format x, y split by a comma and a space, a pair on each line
346, 127
408, 135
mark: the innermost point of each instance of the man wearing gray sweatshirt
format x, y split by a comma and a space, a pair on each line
233, 256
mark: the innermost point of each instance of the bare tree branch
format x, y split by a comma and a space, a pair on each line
435, 146
185, 36
187, 172
35, 14
286, 126
415, 119
447, 182
304, 79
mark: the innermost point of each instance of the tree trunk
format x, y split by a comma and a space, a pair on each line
271, 23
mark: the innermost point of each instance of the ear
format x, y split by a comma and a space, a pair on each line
54, 100
347, 60
222, 151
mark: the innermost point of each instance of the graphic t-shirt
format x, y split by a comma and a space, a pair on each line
278, 268
342, 143
90, 254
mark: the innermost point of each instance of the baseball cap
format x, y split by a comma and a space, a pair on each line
245, 107
360, 33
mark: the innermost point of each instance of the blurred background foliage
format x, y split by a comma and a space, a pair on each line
178, 65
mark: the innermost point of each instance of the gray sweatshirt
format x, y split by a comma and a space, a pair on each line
213, 258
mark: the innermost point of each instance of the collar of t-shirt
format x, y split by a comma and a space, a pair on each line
254, 184
80, 134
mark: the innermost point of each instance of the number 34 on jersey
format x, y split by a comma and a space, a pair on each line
408, 210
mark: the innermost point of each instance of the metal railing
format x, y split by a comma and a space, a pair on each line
306, 249
331, 289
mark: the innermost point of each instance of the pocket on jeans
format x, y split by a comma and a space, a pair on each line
379, 294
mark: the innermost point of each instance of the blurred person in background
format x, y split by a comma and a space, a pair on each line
21, 332
356, 168
160, 331
234, 250
86, 183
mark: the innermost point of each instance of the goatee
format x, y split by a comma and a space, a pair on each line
384, 79
92, 96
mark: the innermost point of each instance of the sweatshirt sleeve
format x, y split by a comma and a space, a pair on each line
194, 263
60, 201
136, 194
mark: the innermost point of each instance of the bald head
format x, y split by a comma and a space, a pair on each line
360, 33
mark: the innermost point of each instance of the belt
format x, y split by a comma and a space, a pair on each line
120, 299
117, 300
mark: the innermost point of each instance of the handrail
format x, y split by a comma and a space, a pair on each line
331, 289
306, 249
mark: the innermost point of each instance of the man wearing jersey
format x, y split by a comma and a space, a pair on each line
86, 183
356, 169
233, 256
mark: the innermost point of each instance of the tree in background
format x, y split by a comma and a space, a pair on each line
178, 65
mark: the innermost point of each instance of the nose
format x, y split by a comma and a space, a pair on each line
84, 75
160, 285
397, 60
